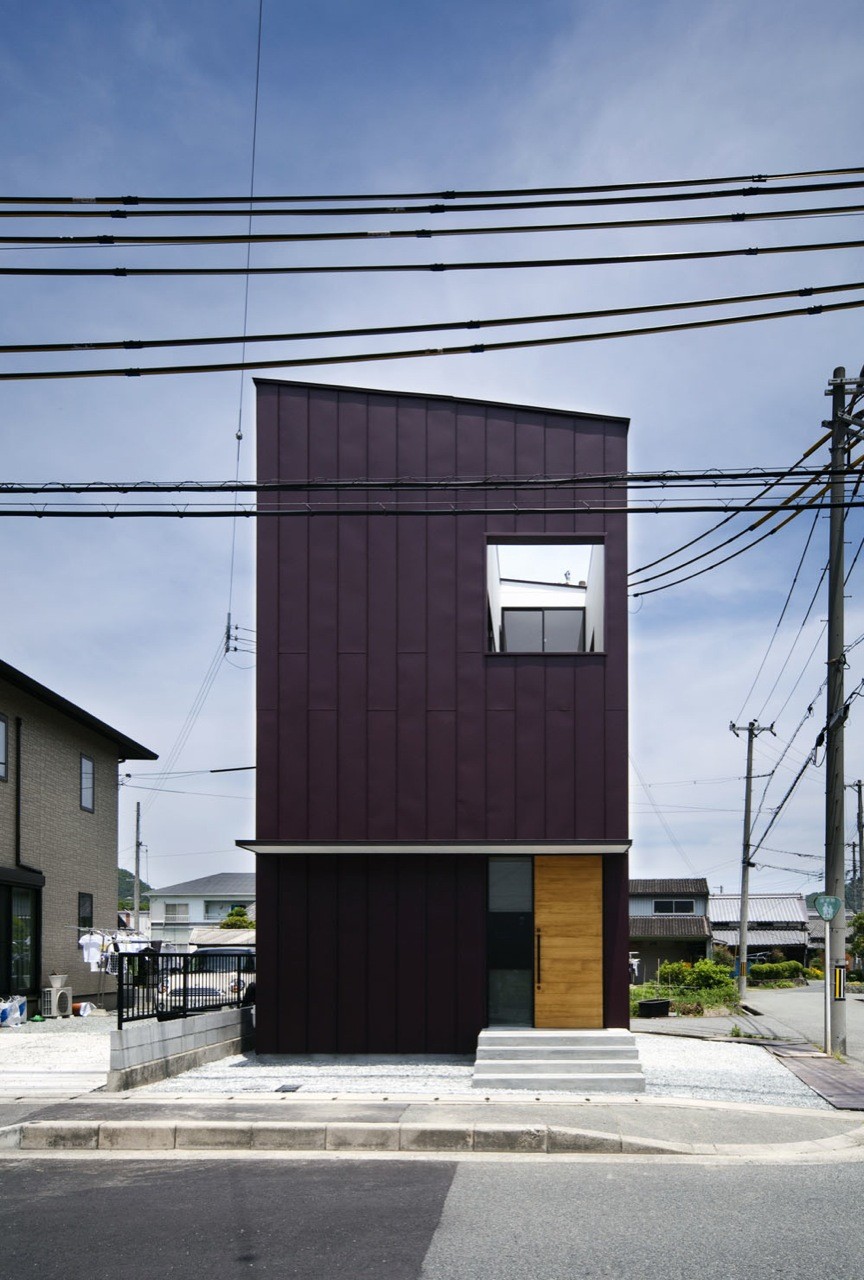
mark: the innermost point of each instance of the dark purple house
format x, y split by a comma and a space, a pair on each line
442, 722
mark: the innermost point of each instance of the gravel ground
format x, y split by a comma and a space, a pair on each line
674, 1068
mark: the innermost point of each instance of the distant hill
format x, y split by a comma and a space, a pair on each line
126, 888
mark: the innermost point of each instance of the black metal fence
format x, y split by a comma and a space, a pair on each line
174, 985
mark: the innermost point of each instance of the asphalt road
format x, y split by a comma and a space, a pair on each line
803, 1009
356, 1220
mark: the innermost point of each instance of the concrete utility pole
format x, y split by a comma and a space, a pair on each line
856, 884
136, 887
752, 730
835, 860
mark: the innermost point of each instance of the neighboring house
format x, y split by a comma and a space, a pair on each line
58, 834
816, 932
441, 784
177, 909
775, 922
668, 921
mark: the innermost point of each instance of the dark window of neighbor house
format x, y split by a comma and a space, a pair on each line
85, 910
674, 906
545, 596
4, 748
19, 922
87, 784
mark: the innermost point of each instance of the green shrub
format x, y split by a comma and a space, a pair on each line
816, 975
722, 955
787, 971
675, 973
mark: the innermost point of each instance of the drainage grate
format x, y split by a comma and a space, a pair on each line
287, 1088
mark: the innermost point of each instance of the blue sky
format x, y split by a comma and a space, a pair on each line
157, 98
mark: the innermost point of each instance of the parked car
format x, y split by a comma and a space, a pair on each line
210, 975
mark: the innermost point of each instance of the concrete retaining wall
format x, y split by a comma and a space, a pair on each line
144, 1052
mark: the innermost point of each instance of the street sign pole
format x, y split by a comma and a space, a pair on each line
828, 908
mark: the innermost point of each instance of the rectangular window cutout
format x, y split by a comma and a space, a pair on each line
4, 748
176, 912
545, 597
85, 910
87, 784
674, 906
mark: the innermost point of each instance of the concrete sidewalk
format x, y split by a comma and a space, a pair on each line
57, 1111
294, 1124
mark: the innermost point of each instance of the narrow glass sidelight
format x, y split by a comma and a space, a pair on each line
509, 941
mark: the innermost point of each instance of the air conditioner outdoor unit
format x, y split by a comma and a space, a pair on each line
57, 1002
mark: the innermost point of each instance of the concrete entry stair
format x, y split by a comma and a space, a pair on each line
539, 1059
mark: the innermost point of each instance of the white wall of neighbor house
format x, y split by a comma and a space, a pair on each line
547, 576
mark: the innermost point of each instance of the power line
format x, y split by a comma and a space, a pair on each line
500, 205
403, 267
135, 344
420, 353
410, 233
128, 200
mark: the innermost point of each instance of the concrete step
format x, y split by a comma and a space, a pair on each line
576, 1082
530, 1037
492, 1053
554, 1066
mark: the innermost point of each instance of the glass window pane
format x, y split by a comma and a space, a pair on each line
663, 906
86, 783
23, 939
684, 907
510, 997
511, 884
564, 630
4, 747
523, 630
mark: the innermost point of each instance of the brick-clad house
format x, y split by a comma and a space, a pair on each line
442, 722
58, 833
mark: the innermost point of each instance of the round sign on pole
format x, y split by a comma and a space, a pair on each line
826, 906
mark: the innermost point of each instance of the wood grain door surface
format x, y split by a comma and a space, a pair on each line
568, 923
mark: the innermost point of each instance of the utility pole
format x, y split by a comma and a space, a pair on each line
136, 888
835, 878
856, 884
753, 729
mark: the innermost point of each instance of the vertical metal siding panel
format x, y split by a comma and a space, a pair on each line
616, 941
382, 613
323, 591
352, 713
500, 775
470, 748
530, 461
293, 782
441, 771
616, 808
559, 436
383, 950
500, 462
470, 992
442, 975
470, 656
411, 587
411, 949
589, 730
530, 746
323, 768
323, 952
353, 940
562, 726
269, 980
411, 748
268, 571
291, 906
381, 774
353, 465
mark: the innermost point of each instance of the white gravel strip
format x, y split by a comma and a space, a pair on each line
674, 1067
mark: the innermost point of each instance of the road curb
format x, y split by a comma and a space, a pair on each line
348, 1136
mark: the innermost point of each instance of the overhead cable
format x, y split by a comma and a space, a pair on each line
415, 233
604, 260
136, 344
434, 195
422, 353
596, 201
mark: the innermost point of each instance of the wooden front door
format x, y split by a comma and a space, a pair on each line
568, 941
